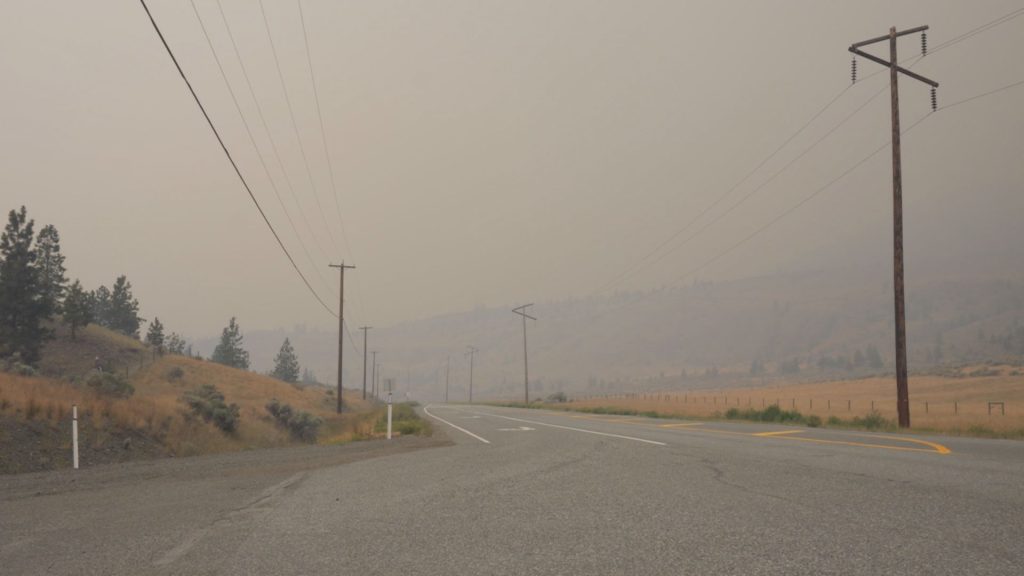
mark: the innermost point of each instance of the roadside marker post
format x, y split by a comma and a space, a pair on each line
74, 435
389, 415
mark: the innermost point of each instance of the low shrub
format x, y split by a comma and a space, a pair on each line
873, 421
14, 365
814, 421
302, 425
404, 420
175, 374
110, 384
556, 398
207, 402
834, 421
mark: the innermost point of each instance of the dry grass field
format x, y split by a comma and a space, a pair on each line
35, 412
949, 404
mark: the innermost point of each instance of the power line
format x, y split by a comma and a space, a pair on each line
252, 140
232, 160
327, 154
643, 261
266, 128
295, 126
323, 130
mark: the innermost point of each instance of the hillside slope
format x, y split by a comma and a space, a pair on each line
155, 420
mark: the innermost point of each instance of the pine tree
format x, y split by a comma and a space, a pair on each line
50, 262
155, 335
229, 351
100, 301
124, 308
308, 377
22, 306
286, 364
175, 344
77, 308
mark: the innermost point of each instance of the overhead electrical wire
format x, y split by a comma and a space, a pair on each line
645, 261
327, 153
295, 128
252, 140
270, 136
234, 165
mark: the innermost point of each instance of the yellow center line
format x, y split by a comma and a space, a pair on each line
778, 433
932, 447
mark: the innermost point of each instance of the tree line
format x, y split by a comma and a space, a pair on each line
35, 294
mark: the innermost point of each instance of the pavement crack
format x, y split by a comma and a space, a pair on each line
260, 504
719, 476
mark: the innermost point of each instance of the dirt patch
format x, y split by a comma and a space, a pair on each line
39, 445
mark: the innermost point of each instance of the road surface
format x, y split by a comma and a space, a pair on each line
538, 492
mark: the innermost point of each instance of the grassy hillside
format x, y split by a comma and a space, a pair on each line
155, 420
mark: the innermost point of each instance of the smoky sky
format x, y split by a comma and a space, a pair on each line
489, 153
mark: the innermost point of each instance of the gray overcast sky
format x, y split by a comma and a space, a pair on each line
488, 152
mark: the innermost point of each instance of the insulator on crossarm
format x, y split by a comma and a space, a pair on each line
924, 43
935, 100
853, 70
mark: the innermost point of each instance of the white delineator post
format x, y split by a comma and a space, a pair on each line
389, 415
74, 435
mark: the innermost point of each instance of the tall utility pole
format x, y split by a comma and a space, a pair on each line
447, 370
341, 325
471, 353
526, 365
373, 377
902, 392
364, 329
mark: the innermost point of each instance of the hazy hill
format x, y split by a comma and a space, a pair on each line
819, 318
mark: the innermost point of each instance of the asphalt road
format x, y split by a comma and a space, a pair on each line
536, 492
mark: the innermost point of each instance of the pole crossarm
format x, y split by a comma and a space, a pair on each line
522, 311
899, 68
888, 36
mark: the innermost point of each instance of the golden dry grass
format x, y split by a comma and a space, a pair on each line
946, 404
157, 410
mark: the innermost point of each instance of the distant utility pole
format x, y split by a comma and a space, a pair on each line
526, 365
447, 370
341, 326
364, 329
902, 393
373, 378
471, 353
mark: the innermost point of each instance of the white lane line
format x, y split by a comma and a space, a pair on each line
655, 442
459, 428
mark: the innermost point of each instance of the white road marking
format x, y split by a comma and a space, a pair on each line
459, 428
519, 429
644, 440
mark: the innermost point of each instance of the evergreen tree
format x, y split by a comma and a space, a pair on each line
22, 306
175, 344
308, 377
50, 262
77, 308
155, 335
124, 308
286, 364
873, 357
100, 303
229, 351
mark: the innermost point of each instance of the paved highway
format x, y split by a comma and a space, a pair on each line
537, 492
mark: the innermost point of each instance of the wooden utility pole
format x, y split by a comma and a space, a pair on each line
902, 391
341, 326
471, 353
526, 364
364, 329
373, 377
